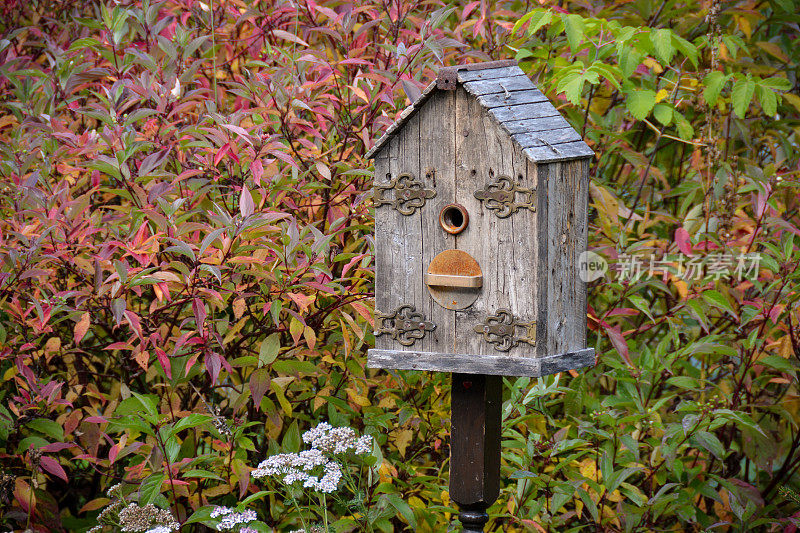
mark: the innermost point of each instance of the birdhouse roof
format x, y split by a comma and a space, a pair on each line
509, 96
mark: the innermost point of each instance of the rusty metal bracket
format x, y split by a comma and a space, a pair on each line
409, 194
501, 196
501, 330
404, 324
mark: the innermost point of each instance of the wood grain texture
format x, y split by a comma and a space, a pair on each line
475, 403
437, 129
398, 252
495, 365
561, 152
500, 85
505, 248
542, 138
566, 239
535, 125
512, 98
524, 111
487, 74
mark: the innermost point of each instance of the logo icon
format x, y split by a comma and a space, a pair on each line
591, 266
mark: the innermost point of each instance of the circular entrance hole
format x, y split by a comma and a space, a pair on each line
453, 218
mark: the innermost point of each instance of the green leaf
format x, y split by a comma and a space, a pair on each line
716, 299
574, 26
641, 304
151, 487
714, 83
778, 363
639, 102
776, 83
204, 474
629, 59
662, 41
663, 113
741, 96
47, 427
148, 402
270, 348
193, 420
403, 508
710, 442
685, 129
767, 99
291, 439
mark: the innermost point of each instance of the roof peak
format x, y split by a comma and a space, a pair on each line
512, 99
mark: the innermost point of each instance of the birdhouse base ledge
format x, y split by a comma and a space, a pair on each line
493, 365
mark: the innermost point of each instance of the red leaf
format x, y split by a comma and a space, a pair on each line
199, 309
684, 241
163, 358
618, 340
81, 327
51, 465
259, 383
221, 153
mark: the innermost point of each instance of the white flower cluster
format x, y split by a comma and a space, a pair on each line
335, 440
232, 518
299, 467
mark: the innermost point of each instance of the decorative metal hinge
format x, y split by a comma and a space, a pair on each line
501, 196
404, 324
501, 330
409, 194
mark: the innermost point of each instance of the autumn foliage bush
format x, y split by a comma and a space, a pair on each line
186, 260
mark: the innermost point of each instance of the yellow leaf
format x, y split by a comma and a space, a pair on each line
143, 358
357, 398
793, 99
651, 63
402, 440
310, 336
53, 344
660, 95
238, 308
387, 472
744, 25
774, 50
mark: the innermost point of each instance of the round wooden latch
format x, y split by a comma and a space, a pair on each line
454, 279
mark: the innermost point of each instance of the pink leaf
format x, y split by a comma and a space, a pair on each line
684, 241
257, 169
213, 366
56, 447
51, 465
199, 309
246, 205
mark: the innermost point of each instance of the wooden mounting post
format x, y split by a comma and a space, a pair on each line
475, 405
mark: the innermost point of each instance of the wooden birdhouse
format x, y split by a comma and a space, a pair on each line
480, 218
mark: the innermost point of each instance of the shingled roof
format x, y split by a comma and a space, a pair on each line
514, 101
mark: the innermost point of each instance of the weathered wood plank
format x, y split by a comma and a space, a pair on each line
503, 247
524, 111
437, 129
488, 74
542, 138
515, 126
398, 262
566, 239
531, 96
500, 85
493, 365
560, 152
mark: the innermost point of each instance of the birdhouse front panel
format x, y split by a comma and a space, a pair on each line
480, 216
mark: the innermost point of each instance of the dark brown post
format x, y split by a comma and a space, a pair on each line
475, 446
